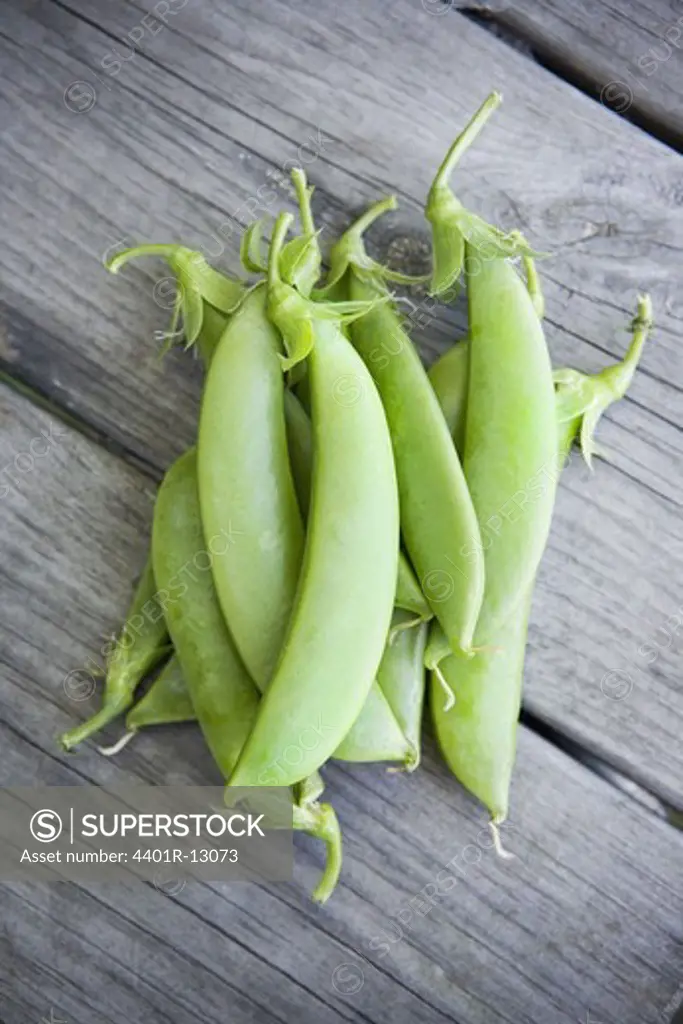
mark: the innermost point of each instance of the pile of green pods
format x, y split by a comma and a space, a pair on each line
350, 526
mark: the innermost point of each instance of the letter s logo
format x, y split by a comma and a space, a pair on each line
46, 826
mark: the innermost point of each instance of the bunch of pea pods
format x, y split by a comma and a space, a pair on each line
375, 529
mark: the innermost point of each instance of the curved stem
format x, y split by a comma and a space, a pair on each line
372, 214
321, 822
622, 373
167, 250
466, 138
329, 831
282, 225
303, 195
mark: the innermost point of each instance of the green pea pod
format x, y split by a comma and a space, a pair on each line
388, 727
223, 696
205, 649
376, 735
166, 702
135, 655
300, 447
141, 645
409, 595
245, 486
402, 678
454, 227
478, 734
448, 377
438, 520
510, 455
333, 645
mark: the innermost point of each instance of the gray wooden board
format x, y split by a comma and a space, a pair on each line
631, 54
585, 924
201, 118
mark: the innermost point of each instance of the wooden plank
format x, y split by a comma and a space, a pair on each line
165, 153
628, 54
189, 130
596, 883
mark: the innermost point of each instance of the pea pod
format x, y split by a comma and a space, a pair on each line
140, 646
333, 646
144, 638
478, 734
167, 701
402, 679
377, 734
224, 698
409, 596
448, 377
438, 520
510, 457
388, 728
245, 486
204, 647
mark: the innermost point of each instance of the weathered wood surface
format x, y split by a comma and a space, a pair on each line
584, 925
628, 53
188, 139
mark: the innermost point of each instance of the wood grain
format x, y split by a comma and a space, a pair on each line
584, 924
628, 54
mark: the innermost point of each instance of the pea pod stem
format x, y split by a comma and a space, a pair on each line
350, 251
588, 397
194, 274
465, 140
303, 194
250, 248
320, 820
454, 227
533, 284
